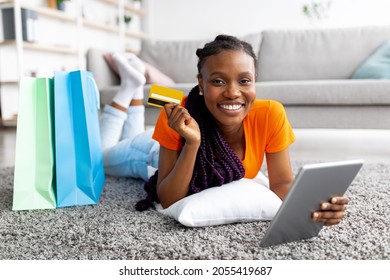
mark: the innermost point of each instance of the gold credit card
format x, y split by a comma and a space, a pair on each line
159, 96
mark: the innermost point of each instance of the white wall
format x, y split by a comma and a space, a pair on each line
200, 19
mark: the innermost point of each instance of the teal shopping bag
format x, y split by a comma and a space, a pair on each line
79, 162
34, 173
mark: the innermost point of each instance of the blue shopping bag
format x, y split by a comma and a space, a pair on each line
79, 162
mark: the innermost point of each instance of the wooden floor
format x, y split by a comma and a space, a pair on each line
311, 144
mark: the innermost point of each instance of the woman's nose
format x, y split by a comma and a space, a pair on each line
232, 91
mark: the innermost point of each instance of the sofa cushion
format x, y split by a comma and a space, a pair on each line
317, 54
377, 66
178, 60
326, 92
255, 40
103, 74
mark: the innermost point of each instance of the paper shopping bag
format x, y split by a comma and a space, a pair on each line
34, 154
79, 162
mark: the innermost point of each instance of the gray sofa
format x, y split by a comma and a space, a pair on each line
308, 71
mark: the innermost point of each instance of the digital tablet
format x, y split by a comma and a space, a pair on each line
314, 183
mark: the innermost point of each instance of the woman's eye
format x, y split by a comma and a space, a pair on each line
245, 81
217, 82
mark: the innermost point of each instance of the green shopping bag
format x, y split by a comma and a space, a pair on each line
34, 173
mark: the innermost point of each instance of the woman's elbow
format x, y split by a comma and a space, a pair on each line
165, 204
167, 199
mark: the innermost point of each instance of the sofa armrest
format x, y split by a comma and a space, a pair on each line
103, 74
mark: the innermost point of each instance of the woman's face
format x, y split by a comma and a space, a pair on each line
227, 81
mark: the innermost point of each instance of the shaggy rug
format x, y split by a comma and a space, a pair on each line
113, 230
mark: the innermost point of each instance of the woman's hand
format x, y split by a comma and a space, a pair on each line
180, 120
175, 168
331, 212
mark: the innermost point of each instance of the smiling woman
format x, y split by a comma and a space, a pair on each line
218, 134
215, 146
221, 133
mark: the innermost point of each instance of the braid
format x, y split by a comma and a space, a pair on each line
221, 43
216, 163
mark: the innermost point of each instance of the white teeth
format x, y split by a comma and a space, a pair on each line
231, 107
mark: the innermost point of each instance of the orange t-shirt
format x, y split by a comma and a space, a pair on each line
266, 129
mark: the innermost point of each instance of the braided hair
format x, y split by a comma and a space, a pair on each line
223, 43
216, 162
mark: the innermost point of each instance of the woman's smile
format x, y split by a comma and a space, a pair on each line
231, 108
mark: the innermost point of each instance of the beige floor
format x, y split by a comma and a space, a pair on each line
311, 144
372, 146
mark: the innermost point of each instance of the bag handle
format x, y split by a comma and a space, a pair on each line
96, 91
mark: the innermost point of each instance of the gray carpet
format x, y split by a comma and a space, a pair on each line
114, 230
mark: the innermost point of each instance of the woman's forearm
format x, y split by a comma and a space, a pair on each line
281, 189
175, 185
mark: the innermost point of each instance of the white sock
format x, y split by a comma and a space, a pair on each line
138, 93
136, 62
132, 81
140, 66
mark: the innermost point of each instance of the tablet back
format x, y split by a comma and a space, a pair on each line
315, 183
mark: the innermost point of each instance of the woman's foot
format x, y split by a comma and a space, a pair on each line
136, 62
132, 81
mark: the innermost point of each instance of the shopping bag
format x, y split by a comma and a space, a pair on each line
34, 170
79, 162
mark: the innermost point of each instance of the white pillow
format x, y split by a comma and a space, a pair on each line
244, 200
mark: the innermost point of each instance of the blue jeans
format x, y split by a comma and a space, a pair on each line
128, 150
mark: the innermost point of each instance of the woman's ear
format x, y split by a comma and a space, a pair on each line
200, 82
